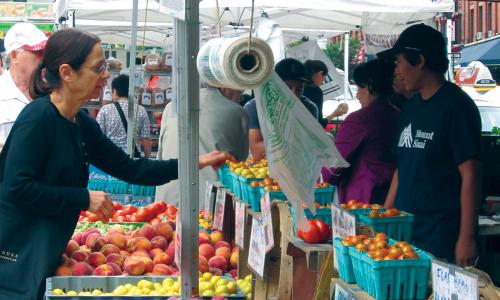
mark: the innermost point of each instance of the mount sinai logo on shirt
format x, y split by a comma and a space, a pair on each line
406, 139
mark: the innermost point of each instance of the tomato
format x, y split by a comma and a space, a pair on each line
163, 206
154, 221
317, 232
117, 206
93, 217
120, 219
128, 210
144, 214
324, 229
171, 210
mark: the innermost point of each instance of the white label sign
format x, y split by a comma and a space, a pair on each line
208, 198
343, 293
257, 250
220, 203
239, 219
450, 282
267, 222
343, 223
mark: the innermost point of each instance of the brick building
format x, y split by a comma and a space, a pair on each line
476, 20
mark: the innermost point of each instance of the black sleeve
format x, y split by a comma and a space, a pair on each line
105, 155
465, 131
24, 163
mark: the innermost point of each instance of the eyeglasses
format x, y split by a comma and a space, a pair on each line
100, 70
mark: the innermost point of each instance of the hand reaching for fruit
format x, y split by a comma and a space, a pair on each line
101, 205
215, 159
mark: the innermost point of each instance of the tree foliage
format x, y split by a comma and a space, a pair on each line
336, 52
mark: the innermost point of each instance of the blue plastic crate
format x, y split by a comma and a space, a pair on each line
245, 187
235, 186
274, 195
323, 214
142, 190
223, 173
362, 211
254, 200
324, 196
344, 261
398, 228
392, 279
117, 186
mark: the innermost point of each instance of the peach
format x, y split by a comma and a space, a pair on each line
138, 243
117, 270
163, 258
71, 262
88, 232
71, 247
134, 266
216, 236
124, 253
171, 223
222, 244
148, 263
206, 250
96, 259
165, 230
224, 252
117, 239
234, 273
82, 269
91, 238
117, 229
104, 270
218, 262
171, 249
159, 242
147, 231
97, 244
116, 259
155, 251
161, 269
108, 249
77, 237
64, 271
203, 238
79, 255
141, 253
202, 264
233, 260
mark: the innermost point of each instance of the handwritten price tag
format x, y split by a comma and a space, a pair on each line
239, 219
257, 250
220, 204
267, 222
343, 223
450, 282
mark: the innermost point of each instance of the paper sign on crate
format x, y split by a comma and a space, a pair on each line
343, 223
220, 204
240, 220
257, 249
209, 194
342, 292
267, 222
450, 282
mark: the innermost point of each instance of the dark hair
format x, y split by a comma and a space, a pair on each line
435, 63
313, 67
67, 46
120, 85
377, 75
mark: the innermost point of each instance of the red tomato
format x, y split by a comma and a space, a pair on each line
163, 206
132, 218
171, 210
129, 209
324, 229
155, 208
84, 213
93, 217
154, 221
143, 214
120, 219
315, 234
117, 206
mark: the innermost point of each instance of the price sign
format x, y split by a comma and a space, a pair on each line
239, 219
450, 282
209, 194
178, 230
257, 250
343, 223
342, 292
267, 222
220, 204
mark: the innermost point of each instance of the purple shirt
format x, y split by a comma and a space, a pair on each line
365, 140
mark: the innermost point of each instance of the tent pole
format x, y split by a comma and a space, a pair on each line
132, 100
346, 65
448, 48
188, 33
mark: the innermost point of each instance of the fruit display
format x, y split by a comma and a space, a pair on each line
153, 213
391, 212
250, 169
106, 227
318, 232
354, 204
378, 248
205, 223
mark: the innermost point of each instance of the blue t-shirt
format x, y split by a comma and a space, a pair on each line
253, 119
434, 137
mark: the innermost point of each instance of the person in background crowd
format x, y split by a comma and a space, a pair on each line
293, 73
438, 172
112, 125
366, 136
316, 72
24, 44
223, 126
44, 165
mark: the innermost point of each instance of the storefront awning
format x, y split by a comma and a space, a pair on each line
487, 52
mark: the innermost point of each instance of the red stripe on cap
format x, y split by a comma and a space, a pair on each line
37, 47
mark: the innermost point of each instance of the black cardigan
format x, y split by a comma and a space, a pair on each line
43, 180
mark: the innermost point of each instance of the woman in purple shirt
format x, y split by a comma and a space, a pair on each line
366, 137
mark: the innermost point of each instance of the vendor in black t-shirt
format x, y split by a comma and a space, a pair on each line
438, 144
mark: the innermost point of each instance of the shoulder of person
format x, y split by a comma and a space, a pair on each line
40, 109
250, 105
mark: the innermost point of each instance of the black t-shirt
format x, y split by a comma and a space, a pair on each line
315, 94
435, 137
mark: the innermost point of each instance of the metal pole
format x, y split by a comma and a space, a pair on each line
448, 48
346, 66
188, 32
132, 100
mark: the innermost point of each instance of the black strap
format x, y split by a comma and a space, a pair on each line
125, 124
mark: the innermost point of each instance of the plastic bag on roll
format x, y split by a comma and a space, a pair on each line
227, 63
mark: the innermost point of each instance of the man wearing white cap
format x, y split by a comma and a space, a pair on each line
24, 44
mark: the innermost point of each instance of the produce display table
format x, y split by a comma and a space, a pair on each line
315, 254
360, 294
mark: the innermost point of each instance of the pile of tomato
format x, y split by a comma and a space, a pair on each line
378, 247
318, 232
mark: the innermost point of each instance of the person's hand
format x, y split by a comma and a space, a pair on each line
215, 159
465, 251
101, 205
341, 109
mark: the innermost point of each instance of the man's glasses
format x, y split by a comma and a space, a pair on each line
100, 70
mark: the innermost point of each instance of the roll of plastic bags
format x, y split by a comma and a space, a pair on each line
226, 62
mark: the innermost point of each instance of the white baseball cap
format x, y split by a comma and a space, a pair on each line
26, 36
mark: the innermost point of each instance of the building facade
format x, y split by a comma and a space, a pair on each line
476, 20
